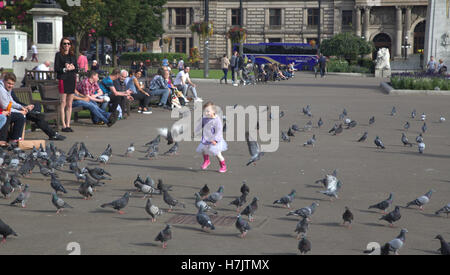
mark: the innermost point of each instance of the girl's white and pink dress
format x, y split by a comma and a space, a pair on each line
212, 129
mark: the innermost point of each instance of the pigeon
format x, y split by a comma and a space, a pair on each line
44, 170
152, 210
14, 163
363, 138
372, 120
79, 175
379, 143
304, 245
172, 151
320, 123
254, 149
130, 150
73, 166
423, 117
405, 141
310, 141
245, 188
145, 189
445, 209
338, 130
56, 185
152, 153
413, 114
332, 190
59, 203
97, 173
344, 112
441, 119
171, 201
352, 124
169, 135
384, 204
445, 246
23, 197
398, 242
5, 231
242, 226
281, 114
290, 133
284, 137
201, 203
392, 216
251, 209
424, 127
421, 147
119, 204
6, 189
308, 126
333, 129
216, 196
204, 191
240, 201
406, 126
419, 138
302, 227
341, 117
204, 220
106, 155
86, 190
347, 217
164, 236
154, 142
422, 200
394, 111
305, 212
295, 128
15, 182
161, 186
84, 149
286, 200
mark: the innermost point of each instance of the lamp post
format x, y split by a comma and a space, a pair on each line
206, 49
241, 21
405, 47
318, 28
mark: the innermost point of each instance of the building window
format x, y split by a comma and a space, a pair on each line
170, 16
347, 18
275, 17
274, 40
180, 14
180, 45
191, 15
236, 17
313, 17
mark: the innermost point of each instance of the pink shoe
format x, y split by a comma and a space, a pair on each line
223, 167
206, 162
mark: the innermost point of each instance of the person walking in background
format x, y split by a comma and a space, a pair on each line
181, 64
432, 65
322, 64
83, 62
34, 52
225, 63
233, 62
66, 69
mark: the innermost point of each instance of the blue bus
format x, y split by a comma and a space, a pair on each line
303, 55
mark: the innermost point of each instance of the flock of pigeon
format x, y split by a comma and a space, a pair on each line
16, 163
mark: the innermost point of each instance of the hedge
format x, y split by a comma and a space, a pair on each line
342, 66
127, 58
411, 83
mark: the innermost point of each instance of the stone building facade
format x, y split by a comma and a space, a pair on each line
385, 22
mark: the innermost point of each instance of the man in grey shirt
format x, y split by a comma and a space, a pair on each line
233, 62
432, 65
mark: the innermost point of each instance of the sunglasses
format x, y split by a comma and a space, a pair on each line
67, 44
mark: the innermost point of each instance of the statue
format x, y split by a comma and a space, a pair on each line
49, 2
383, 59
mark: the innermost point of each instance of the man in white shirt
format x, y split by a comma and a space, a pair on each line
44, 67
184, 83
34, 51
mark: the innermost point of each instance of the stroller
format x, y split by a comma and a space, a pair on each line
247, 76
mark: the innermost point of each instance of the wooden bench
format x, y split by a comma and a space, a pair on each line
33, 78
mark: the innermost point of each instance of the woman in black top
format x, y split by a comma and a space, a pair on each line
66, 69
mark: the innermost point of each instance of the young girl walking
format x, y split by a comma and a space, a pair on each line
212, 137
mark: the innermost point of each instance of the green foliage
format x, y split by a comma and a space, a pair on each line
16, 14
147, 25
411, 83
342, 66
347, 46
127, 58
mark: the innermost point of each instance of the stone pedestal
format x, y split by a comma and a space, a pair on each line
382, 73
437, 33
47, 30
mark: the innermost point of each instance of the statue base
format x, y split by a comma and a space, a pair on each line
382, 73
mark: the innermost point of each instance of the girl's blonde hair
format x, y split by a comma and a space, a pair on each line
208, 104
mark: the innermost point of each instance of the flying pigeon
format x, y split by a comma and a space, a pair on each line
347, 217
164, 236
130, 150
363, 138
251, 209
302, 227
379, 143
405, 141
240, 201
86, 190
445, 209
445, 246
286, 200
305, 212
254, 149
23, 197
245, 188
332, 190
320, 123
242, 226
5, 231
216, 196
201, 203
169, 135
154, 142
119, 204
59, 203
171, 201
310, 141
398, 242
204, 220
372, 120
152, 210
161, 186
422, 200
392, 216
152, 153
384, 204
204, 191
421, 147
304, 245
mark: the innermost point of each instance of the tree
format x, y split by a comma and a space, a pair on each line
347, 46
82, 19
17, 14
147, 26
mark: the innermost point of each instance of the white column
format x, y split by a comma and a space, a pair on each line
398, 31
358, 21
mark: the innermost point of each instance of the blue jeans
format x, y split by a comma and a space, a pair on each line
225, 75
184, 89
164, 93
3, 119
97, 113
